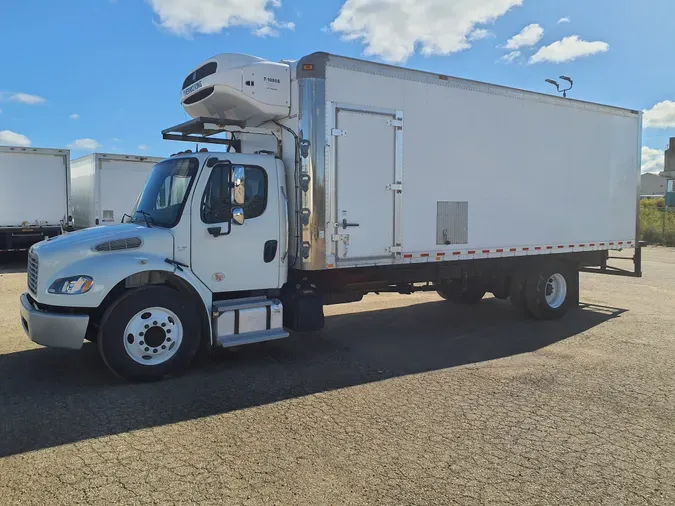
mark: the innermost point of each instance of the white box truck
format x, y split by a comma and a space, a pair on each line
341, 178
105, 186
34, 195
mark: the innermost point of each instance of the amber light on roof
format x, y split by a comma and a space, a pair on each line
308, 66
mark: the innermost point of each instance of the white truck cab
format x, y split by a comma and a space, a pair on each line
315, 201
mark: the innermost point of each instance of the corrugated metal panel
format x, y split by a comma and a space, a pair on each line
452, 223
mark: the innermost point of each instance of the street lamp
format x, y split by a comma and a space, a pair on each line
557, 86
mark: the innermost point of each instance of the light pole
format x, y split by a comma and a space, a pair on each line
557, 86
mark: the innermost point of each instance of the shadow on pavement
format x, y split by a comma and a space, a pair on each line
54, 397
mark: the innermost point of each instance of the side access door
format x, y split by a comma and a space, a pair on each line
241, 252
367, 163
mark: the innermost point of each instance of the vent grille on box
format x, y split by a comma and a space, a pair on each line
119, 244
452, 223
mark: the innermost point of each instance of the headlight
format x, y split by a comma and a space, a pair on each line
74, 285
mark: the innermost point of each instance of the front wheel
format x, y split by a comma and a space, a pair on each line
149, 334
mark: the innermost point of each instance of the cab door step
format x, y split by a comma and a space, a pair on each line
245, 321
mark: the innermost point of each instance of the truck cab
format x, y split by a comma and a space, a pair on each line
208, 233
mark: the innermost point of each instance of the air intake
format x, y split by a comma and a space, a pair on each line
120, 244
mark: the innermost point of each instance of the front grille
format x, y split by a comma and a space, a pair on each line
200, 73
120, 244
32, 271
200, 95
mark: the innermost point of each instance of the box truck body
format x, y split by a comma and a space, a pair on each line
429, 164
34, 197
343, 178
106, 186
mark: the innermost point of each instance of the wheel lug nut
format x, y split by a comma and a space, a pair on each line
141, 334
141, 343
155, 350
154, 323
163, 324
147, 326
168, 331
164, 347
147, 349
168, 339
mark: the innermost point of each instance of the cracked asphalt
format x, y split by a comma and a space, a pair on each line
401, 400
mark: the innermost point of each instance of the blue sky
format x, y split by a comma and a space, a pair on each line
105, 75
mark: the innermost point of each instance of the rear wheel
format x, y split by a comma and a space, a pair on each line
149, 334
549, 290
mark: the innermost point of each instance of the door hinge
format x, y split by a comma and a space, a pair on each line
397, 187
338, 132
398, 123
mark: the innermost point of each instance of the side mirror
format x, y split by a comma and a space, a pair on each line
238, 185
238, 216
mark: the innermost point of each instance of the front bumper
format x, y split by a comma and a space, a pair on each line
53, 329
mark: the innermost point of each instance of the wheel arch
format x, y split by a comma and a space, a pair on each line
158, 277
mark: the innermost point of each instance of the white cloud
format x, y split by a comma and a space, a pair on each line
115, 139
480, 34
568, 49
186, 17
564, 20
527, 37
74, 116
393, 29
22, 98
510, 57
143, 147
85, 144
9, 138
662, 115
652, 160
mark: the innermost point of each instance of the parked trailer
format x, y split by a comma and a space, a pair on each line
34, 195
106, 186
341, 178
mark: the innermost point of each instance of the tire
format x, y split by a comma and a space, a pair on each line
473, 294
549, 290
162, 347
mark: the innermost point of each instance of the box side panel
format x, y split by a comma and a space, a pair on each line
120, 184
532, 170
35, 188
82, 178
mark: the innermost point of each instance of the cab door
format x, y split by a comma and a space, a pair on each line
227, 256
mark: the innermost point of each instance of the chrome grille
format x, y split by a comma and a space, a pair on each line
32, 272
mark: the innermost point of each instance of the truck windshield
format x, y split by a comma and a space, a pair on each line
163, 198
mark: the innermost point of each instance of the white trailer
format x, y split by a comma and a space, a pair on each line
34, 195
341, 178
105, 186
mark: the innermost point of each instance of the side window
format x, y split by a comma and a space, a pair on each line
256, 192
216, 200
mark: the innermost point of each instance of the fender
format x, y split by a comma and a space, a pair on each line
108, 270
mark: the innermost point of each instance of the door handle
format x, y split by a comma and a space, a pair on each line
345, 224
269, 251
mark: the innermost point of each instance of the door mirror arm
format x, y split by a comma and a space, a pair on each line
218, 231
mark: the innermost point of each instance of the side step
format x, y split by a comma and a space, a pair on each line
246, 321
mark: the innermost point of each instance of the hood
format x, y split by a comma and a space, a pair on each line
89, 238
60, 254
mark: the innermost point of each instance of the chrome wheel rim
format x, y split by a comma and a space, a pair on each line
153, 336
556, 291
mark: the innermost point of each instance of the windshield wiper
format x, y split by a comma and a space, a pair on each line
146, 216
